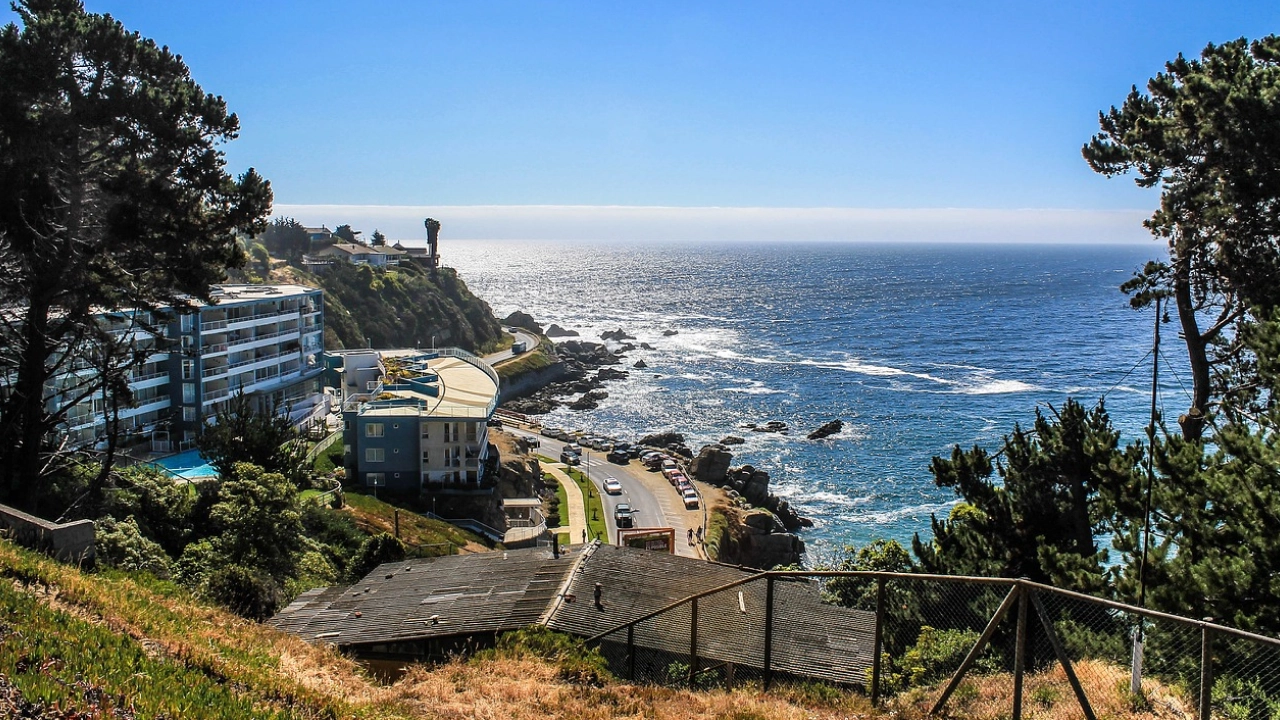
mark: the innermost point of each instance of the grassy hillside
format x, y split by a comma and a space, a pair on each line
111, 645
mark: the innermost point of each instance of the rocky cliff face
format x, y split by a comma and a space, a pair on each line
760, 528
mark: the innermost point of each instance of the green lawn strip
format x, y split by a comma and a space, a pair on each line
203, 664
430, 537
563, 497
596, 526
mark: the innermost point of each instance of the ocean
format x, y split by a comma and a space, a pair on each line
917, 348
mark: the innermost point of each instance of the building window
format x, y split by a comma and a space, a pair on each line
187, 322
189, 414
375, 455
188, 392
375, 479
426, 456
188, 369
374, 430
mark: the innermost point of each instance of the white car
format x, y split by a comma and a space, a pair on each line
691, 499
612, 486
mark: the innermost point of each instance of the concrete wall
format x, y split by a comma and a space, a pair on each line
69, 542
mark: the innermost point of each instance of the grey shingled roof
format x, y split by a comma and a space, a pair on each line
491, 592
810, 638
465, 594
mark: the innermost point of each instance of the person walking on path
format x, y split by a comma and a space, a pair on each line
690, 536
699, 534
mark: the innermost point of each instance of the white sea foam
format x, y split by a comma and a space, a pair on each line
999, 387
916, 513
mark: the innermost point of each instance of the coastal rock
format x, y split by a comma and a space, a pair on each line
610, 374
626, 348
732, 440
556, 331
662, 439
669, 333
646, 346
755, 538
589, 401
827, 429
640, 364
762, 522
773, 426
711, 464
617, 335
522, 320
680, 449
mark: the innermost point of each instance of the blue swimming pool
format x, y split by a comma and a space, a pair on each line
189, 465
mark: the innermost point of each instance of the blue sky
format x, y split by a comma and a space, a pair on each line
594, 105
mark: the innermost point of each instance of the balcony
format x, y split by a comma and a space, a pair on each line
215, 395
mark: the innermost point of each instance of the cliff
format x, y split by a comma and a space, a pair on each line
399, 307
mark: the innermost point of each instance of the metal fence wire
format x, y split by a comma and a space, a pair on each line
977, 647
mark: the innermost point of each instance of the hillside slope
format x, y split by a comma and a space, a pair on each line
109, 645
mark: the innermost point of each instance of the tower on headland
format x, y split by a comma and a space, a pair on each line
433, 244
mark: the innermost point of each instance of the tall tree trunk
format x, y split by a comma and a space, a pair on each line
1192, 421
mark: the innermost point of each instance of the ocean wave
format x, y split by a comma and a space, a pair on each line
999, 387
914, 512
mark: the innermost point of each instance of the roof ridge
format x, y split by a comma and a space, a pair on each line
564, 585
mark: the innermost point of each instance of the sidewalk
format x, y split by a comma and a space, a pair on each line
574, 516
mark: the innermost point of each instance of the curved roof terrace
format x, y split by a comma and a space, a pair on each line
445, 383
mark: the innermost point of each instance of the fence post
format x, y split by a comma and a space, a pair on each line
631, 652
768, 632
1020, 651
879, 642
693, 640
1206, 669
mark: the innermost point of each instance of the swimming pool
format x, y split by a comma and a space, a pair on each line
189, 465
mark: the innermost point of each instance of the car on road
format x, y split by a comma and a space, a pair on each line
570, 458
691, 499
574, 448
550, 432
683, 486
622, 515
619, 457
612, 486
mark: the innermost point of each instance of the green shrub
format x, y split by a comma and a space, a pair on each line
575, 662
246, 592
120, 544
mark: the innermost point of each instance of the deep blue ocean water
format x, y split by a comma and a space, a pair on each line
916, 347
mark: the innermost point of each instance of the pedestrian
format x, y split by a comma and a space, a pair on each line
690, 536
584, 536
699, 533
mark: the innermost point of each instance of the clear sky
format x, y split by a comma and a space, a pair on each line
872, 106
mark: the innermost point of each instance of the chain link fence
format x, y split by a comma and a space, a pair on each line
973, 647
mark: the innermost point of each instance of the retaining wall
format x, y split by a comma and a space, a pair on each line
69, 542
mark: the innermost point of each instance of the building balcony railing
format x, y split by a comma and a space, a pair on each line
213, 348
215, 394
219, 370
212, 325
148, 376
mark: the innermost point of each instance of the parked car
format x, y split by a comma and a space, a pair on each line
567, 436
683, 486
574, 448
622, 516
617, 456
570, 458
550, 432
691, 499
494, 422
612, 486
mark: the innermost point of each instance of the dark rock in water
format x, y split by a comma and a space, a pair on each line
556, 331
640, 364
626, 348
828, 428
711, 464
669, 333
662, 439
610, 374
775, 426
522, 320
732, 440
589, 401
618, 335
680, 449
646, 346
533, 405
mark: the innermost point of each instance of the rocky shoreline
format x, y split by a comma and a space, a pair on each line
760, 529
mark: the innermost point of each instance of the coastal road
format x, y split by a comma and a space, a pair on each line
520, 335
654, 501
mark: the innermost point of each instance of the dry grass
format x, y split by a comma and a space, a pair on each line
1048, 696
513, 687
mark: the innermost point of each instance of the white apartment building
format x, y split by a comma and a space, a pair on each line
264, 341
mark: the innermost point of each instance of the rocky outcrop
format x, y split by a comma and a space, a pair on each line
607, 373
756, 539
732, 440
522, 320
556, 331
711, 464
662, 439
589, 400
616, 335
582, 369
827, 429
669, 333
773, 426
640, 364
646, 346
